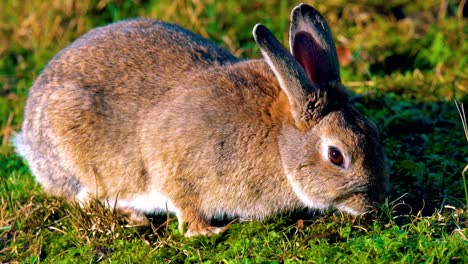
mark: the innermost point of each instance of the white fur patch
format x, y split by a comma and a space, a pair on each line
147, 203
152, 202
82, 197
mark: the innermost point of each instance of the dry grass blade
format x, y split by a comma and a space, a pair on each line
461, 112
7, 130
461, 7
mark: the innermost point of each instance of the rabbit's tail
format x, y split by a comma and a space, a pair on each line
20, 148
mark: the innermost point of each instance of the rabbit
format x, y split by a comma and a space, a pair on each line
150, 118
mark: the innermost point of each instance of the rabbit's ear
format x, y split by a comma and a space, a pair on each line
309, 101
312, 45
291, 76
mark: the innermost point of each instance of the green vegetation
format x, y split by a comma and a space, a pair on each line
405, 61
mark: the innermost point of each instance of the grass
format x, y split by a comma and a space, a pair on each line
461, 112
405, 61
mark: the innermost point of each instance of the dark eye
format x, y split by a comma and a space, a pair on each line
335, 156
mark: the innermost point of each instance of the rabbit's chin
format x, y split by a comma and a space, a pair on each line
355, 205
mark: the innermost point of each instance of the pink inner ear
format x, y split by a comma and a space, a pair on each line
318, 62
302, 50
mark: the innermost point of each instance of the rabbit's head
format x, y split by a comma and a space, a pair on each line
331, 153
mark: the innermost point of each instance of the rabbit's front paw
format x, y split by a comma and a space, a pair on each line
196, 224
202, 229
135, 218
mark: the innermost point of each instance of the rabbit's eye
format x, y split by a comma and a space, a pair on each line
335, 156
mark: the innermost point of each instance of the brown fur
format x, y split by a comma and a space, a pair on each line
141, 111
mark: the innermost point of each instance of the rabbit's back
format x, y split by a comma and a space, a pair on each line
135, 56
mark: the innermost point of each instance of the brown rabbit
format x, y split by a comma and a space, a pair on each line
147, 117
